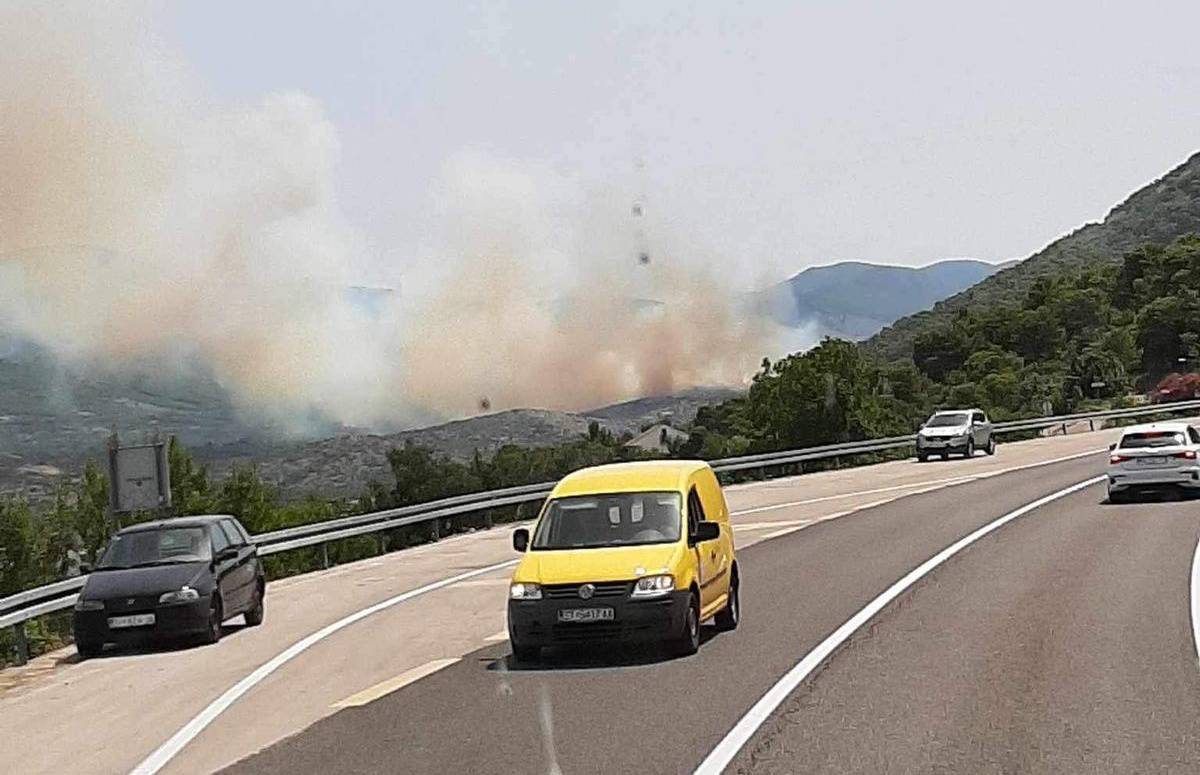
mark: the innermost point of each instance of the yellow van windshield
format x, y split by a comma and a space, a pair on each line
617, 519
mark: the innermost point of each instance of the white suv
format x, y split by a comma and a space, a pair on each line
955, 431
1154, 456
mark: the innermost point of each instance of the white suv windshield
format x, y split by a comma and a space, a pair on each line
946, 421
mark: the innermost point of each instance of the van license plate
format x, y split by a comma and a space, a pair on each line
1152, 461
139, 620
585, 615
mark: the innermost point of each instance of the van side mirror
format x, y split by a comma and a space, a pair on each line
705, 531
520, 539
1112, 447
85, 567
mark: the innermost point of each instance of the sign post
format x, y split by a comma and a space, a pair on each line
139, 477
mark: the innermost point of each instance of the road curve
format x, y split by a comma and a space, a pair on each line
1064, 645
1021, 653
107, 715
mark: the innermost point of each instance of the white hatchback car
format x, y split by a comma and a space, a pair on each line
1156, 456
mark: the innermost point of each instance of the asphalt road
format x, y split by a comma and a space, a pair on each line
1062, 646
170, 706
1059, 643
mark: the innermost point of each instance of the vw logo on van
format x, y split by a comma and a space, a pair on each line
586, 591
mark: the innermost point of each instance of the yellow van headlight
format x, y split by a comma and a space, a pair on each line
654, 586
525, 591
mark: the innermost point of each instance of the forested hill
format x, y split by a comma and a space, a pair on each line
1085, 338
1155, 214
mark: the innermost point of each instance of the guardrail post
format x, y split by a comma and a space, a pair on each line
437, 529
488, 520
325, 556
1091, 425
383, 543
21, 644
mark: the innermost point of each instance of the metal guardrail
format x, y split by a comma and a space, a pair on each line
16, 609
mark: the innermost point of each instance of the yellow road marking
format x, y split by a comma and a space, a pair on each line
392, 684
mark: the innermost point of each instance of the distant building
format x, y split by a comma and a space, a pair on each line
658, 438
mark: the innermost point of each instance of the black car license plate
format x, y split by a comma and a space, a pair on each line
585, 615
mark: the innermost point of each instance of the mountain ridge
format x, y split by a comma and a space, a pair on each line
1157, 213
855, 299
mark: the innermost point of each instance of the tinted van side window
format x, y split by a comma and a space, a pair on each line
695, 511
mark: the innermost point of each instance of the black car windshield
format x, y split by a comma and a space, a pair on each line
619, 519
1152, 439
156, 547
946, 421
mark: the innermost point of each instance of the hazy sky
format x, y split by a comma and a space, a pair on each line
776, 134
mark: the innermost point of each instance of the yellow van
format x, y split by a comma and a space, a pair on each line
625, 552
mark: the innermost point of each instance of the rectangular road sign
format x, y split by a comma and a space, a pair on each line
139, 478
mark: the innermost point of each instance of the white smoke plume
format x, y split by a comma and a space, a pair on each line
138, 220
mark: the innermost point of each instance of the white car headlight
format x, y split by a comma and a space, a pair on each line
184, 595
88, 605
654, 586
525, 591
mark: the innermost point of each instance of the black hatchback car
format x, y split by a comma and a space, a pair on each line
176, 577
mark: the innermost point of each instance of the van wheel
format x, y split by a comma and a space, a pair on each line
254, 616
216, 615
727, 619
991, 445
526, 655
970, 452
688, 641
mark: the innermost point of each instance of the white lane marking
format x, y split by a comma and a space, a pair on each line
787, 530
937, 484
741, 733
737, 526
501, 582
496, 637
1196, 599
842, 496
392, 684
164, 753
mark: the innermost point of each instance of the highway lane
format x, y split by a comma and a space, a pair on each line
1063, 645
106, 715
593, 712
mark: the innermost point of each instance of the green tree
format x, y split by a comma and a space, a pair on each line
17, 547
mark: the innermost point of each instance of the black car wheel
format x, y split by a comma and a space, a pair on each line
688, 641
922, 457
216, 615
728, 619
526, 655
88, 648
254, 616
